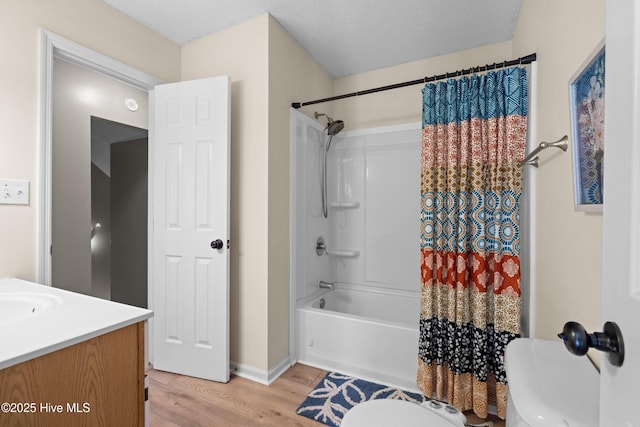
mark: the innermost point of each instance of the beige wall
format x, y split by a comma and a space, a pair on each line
293, 77
568, 257
403, 105
268, 71
242, 53
91, 23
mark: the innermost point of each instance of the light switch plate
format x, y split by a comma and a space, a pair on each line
14, 192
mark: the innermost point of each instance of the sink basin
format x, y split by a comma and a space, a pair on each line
15, 307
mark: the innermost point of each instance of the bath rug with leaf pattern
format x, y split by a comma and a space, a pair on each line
336, 393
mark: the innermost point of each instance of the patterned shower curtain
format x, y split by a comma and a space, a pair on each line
473, 140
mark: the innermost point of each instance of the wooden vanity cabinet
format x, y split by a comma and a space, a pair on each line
97, 382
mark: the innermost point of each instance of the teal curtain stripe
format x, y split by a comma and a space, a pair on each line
486, 96
471, 221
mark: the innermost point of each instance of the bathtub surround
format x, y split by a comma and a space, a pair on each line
373, 178
473, 141
369, 324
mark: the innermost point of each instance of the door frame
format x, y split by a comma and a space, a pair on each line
53, 46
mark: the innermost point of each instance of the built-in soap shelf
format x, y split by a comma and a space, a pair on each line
344, 253
321, 249
345, 204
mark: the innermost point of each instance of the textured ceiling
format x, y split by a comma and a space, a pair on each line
344, 36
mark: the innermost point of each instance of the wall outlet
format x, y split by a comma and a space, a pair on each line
14, 192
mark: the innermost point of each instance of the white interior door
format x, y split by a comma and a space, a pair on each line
620, 386
191, 211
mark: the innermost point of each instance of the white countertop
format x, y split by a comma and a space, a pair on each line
76, 319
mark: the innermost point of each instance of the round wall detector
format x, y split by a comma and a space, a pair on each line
131, 104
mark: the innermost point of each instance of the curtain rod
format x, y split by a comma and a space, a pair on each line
520, 61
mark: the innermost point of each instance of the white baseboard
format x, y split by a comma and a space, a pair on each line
260, 375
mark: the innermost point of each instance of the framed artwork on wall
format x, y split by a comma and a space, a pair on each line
586, 93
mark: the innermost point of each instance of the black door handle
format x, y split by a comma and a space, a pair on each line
217, 244
578, 341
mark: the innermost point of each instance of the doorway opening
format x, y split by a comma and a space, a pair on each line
119, 194
90, 120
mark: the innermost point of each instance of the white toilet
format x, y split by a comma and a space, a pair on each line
389, 412
548, 386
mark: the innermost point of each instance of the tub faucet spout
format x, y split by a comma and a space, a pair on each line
325, 285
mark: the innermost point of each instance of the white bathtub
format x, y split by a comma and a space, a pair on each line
369, 334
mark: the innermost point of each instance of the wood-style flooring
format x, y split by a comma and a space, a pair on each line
180, 401
177, 400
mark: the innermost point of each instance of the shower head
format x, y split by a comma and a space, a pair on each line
333, 126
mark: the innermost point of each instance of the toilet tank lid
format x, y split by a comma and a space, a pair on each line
550, 386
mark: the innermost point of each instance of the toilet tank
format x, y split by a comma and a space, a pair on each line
548, 386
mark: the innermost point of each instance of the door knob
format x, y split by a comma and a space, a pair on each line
578, 341
217, 244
